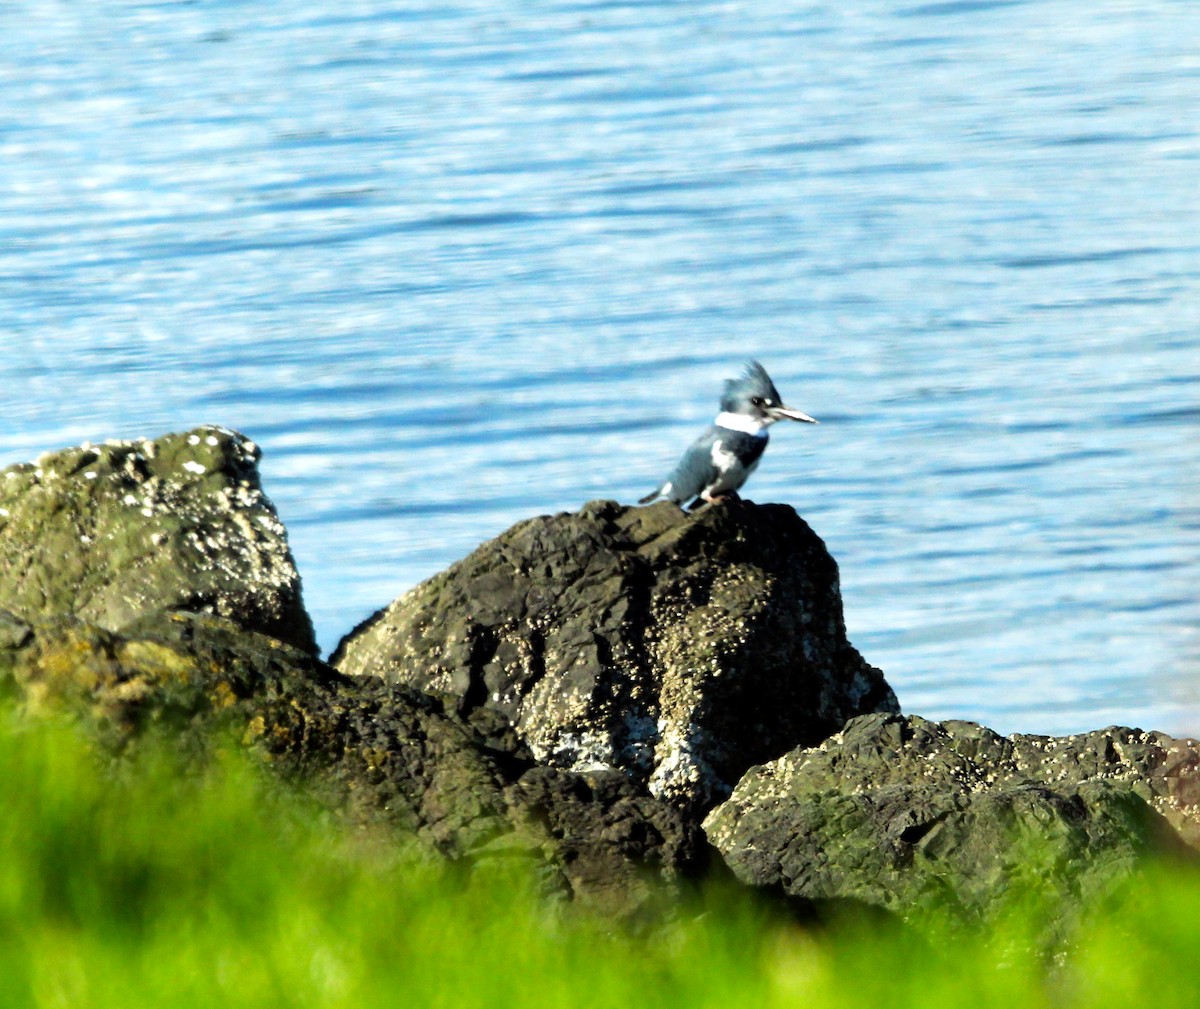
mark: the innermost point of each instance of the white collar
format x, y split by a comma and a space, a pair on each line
740, 422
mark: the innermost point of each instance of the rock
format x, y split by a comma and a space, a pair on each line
919, 816
679, 648
111, 532
379, 753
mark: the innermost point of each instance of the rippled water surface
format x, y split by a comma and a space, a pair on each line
453, 265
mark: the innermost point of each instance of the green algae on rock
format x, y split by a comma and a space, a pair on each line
926, 817
111, 532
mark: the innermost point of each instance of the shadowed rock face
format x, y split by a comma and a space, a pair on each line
910, 814
678, 648
380, 753
111, 532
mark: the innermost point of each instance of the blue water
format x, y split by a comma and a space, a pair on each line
453, 265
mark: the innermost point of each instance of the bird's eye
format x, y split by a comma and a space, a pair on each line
756, 401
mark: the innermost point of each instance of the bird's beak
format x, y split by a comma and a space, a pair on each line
781, 412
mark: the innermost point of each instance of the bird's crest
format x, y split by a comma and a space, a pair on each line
753, 382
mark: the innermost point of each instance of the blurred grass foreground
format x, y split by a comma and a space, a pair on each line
145, 880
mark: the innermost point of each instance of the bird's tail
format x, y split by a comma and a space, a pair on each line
657, 492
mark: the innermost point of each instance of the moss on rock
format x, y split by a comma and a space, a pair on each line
919, 816
111, 532
380, 753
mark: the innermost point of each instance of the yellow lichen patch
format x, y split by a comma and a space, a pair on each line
66, 666
156, 661
223, 695
254, 729
132, 690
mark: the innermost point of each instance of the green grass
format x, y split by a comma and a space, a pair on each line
155, 884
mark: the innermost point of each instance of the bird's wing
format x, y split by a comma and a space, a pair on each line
695, 469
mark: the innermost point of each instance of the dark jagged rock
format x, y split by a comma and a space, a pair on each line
678, 648
385, 753
111, 532
914, 815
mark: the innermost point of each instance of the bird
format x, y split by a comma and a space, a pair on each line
720, 460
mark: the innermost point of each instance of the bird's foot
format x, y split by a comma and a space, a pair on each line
705, 500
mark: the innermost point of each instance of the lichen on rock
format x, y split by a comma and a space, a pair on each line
384, 754
927, 817
678, 648
111, 532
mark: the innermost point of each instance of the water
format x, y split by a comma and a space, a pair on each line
455, 265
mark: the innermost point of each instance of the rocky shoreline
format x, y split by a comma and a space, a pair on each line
629, 699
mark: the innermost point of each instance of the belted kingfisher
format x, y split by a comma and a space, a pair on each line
721, 459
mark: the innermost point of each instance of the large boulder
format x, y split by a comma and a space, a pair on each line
919, 816
111, 532
680, 648
379, 753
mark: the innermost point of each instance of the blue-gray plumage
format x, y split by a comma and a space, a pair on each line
720, 460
